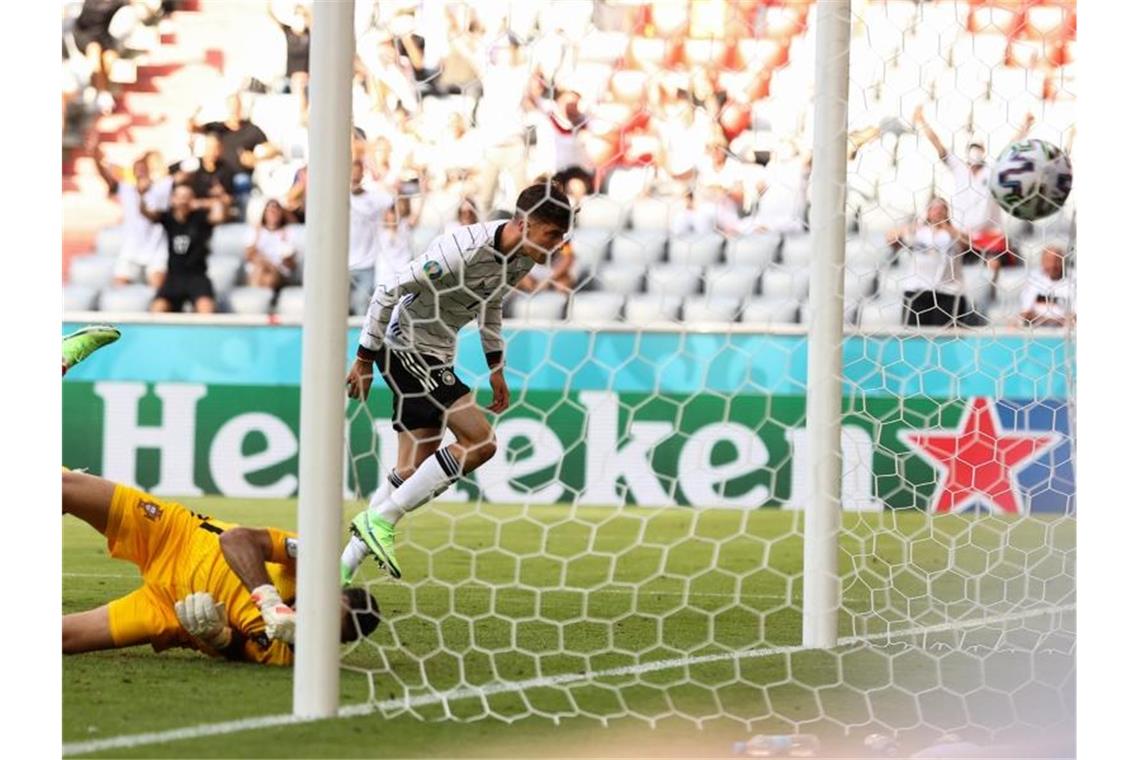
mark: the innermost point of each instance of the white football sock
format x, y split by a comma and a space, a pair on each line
432, 477
384, 490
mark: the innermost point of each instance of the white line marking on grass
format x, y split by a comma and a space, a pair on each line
470, 692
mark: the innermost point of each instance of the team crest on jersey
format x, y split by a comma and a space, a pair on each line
433, 270
291, 547
447, 377
150, 510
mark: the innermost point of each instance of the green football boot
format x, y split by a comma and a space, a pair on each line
86, 341
380, 537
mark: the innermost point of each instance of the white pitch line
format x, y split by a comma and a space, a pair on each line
469, 692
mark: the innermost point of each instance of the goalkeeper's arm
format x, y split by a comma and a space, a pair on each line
246, 551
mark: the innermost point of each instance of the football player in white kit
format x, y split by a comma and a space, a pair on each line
410, 334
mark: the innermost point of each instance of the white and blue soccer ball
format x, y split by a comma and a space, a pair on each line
1031, 179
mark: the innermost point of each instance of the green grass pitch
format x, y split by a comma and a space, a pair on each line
577, 606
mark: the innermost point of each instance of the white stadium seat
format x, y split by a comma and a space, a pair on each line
79, 297
785, 283
596, 307
590, 247
859, 282
674, 279
291, 302
94, 272
108, 241
224, 272
796, 250
752, 250
652, 214
621, 278
546, 305
731, 281
648, 309
126, 298
709, 309
877, 313
250, 300
696, 248
642, 247
229, 240
601, 212
770, 311
977, 285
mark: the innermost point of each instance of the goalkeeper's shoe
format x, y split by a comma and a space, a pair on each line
379, 536
86, 341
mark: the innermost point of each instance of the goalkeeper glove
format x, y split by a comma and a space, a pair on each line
280, 619
204, 619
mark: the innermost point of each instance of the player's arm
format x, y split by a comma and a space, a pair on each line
921, 123
246, 551
491, 334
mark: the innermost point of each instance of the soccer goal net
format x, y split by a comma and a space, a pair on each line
635, 548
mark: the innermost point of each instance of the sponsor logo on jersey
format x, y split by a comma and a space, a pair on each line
150, 510
433, 270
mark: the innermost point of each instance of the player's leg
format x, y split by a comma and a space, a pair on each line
89, 498
87, 631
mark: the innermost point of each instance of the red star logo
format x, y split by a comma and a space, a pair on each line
979, 463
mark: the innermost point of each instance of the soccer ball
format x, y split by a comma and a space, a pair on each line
1031, 179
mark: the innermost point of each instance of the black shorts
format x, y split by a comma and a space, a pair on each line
423, 388
178, 288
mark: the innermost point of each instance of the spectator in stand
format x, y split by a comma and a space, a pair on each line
932, 289
576, 188
366, 210
567, 123
189, 224
695, 216
972, 207
394, 240
243, 145
142, 257
1049, 297
467, 214
294, 202
271, 256
455, 156
296, 29
465, 34
92, 33
211, 174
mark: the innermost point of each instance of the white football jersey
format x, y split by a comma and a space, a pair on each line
422, 306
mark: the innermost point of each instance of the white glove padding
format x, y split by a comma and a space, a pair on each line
280, 619
204, 619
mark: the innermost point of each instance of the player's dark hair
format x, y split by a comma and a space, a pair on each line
363, 615
544, 203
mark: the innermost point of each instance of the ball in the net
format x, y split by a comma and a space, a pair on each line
1031, 179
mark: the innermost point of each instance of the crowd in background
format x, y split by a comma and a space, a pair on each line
457, 107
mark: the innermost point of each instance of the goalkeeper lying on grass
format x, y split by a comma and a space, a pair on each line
223, 589
220, 588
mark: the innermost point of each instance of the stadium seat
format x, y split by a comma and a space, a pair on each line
291, 302
247, 300
796, 250
590, 247
595, 307
126, 298
977, 286
645, 309
859, 282
224, 272
709, 309
628, 86
770, 311
865, 253
731, 281
79, 297
752, 250
229, 240
1010, 282
674, 279
784, 283
700, 249
602, 47
601, 212
547, 305
878, 313
621, 278
108, 241
652, 214
641, 247
94, 272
